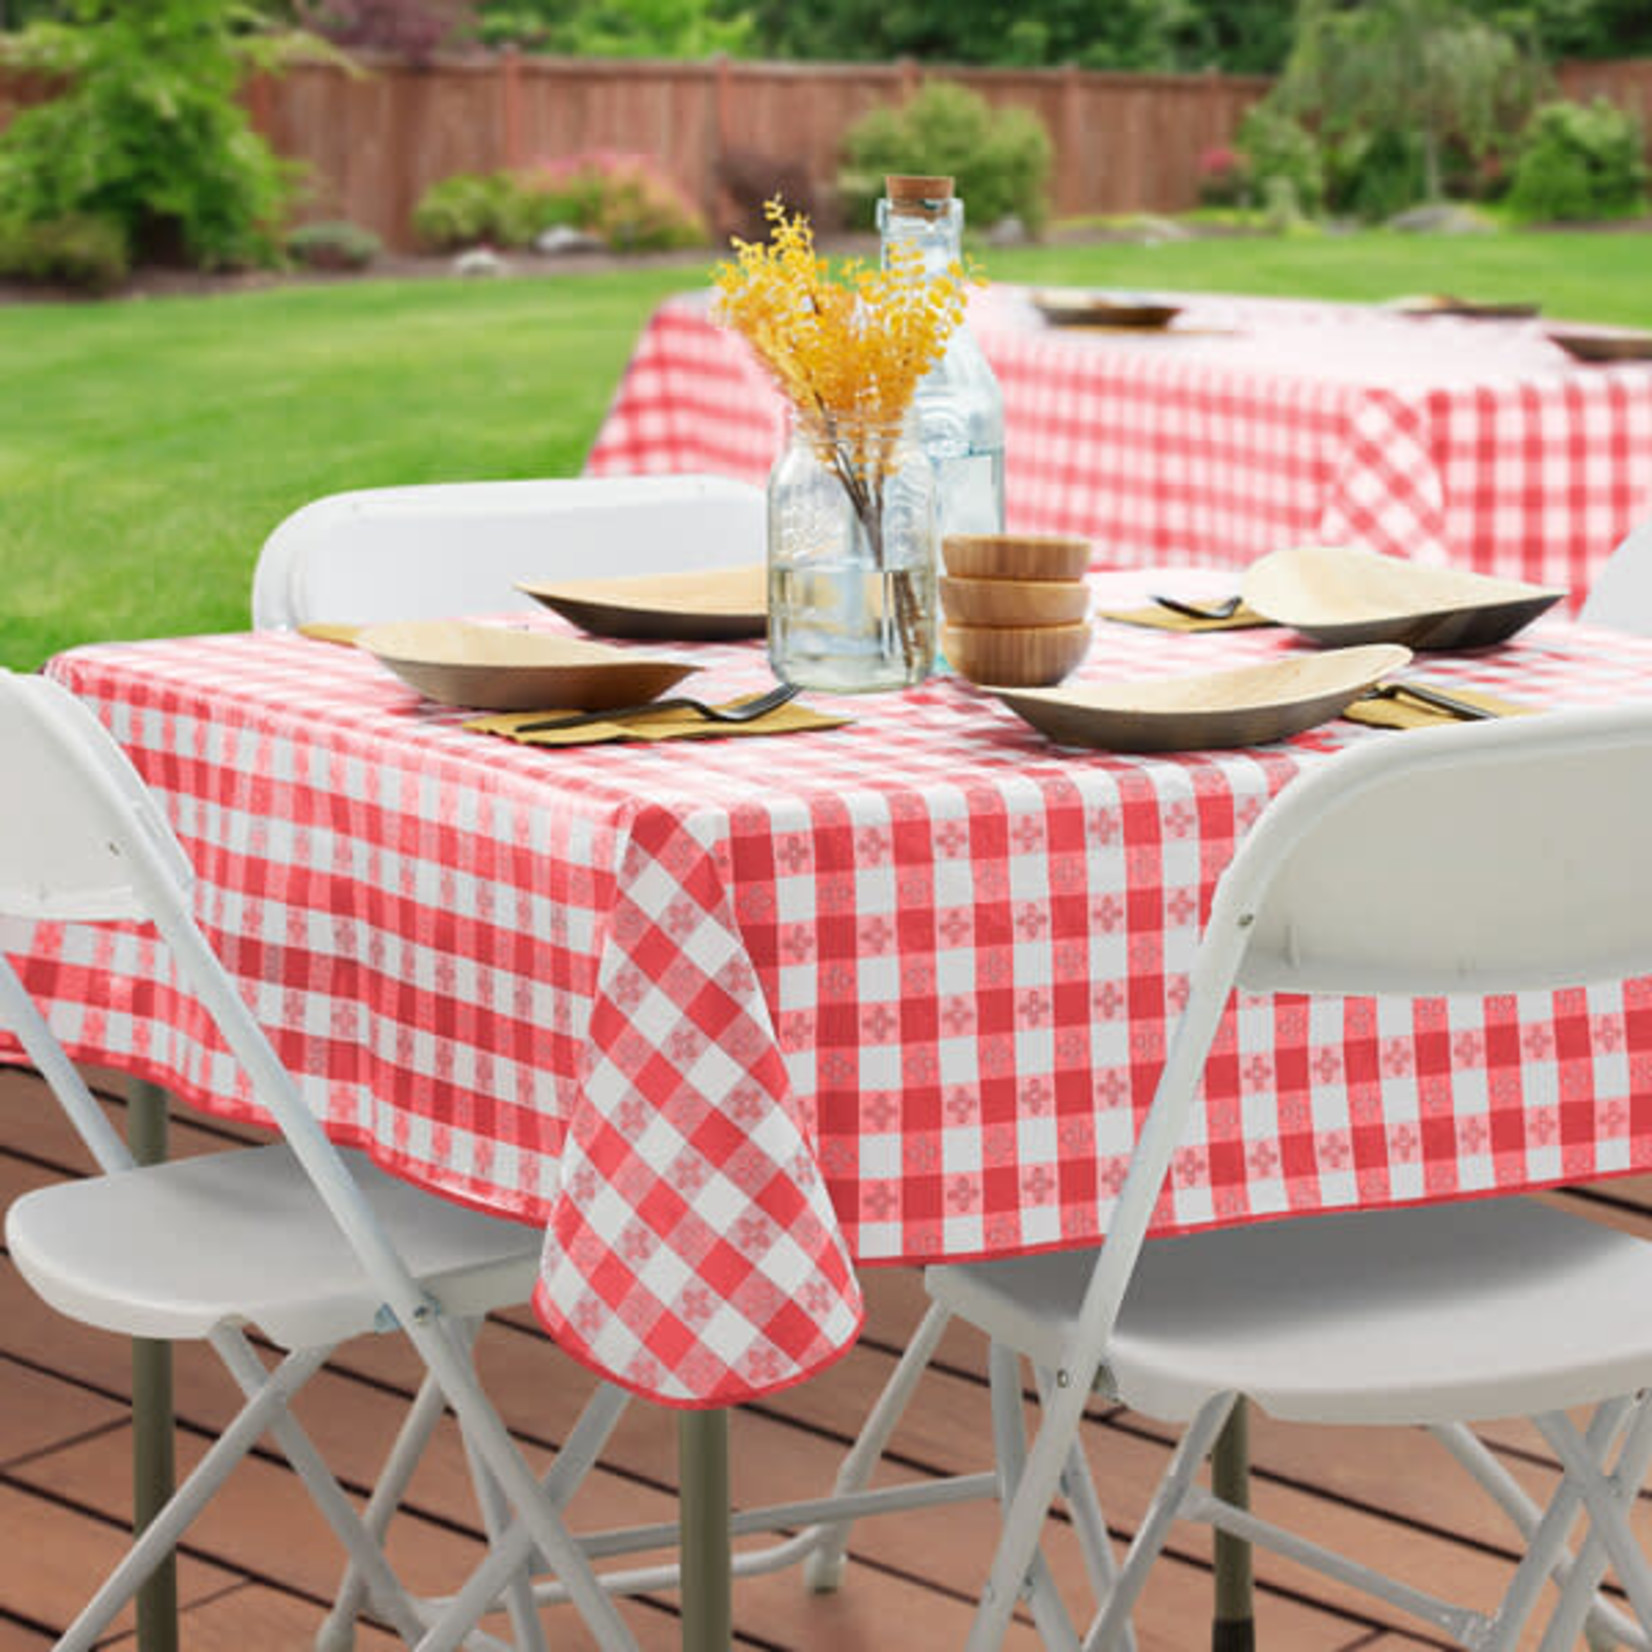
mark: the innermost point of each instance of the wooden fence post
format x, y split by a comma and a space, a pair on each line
718, 131
1069, 160
510, 107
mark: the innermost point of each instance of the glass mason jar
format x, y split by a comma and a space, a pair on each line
851, 553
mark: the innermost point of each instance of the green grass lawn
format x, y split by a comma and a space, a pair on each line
148, 447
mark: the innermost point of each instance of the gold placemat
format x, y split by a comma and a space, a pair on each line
1399, 710
680, 724
320, 631
1160, 618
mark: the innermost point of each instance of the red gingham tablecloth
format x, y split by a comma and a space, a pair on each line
1251, 425
730, 1015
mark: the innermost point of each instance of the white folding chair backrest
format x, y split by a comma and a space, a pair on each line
57, 857
91, 844
434, 551
1621, 593
1486, 858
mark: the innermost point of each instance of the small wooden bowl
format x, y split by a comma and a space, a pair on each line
1015, 656
1014, 601
1015, 556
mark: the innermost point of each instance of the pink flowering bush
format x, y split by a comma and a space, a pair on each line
622, 198
1224, 177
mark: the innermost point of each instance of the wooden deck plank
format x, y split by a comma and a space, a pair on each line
252, 1618
53, 1558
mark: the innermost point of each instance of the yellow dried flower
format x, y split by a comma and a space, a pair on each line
847, 352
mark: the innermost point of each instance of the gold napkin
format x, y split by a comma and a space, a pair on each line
680, 724
1401, 711
1161, 618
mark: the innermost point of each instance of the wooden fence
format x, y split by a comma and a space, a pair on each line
376, 140
1628, 84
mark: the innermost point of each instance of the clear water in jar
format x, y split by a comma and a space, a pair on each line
840, 625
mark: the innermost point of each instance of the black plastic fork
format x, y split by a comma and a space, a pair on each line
736, 711
1199, 610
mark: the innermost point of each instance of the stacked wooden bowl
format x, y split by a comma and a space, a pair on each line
1016, 607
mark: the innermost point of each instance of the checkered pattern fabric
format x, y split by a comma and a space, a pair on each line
730, 1017
1256, 424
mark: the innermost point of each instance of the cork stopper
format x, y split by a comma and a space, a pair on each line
917, 196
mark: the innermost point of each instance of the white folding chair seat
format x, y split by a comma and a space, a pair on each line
1492, 858
174, 1250
1388, 1317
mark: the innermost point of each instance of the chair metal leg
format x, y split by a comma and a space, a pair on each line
1600, 1495
1576, 1615
528, 1631
823, 1569
515, 1549
1009, 1438
384, 1588
172, 1521
1192, 1449
1025, 1514
338, 1631
1606, 1627
440, 1342
1078, 1488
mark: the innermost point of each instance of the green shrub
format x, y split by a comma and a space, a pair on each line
333, 246
1278, 147
1579, 161
79, 251
145, 133
464, 210
620, 198
1373, 174
999, 160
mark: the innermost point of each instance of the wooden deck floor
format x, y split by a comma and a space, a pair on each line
258, 1568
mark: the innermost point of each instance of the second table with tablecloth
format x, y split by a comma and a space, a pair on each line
1250, 424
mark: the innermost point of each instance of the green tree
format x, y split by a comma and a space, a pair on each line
1401, 77
1126, 34
1575, 28
620, 28
145, 135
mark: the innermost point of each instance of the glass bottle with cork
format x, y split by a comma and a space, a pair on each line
958, 407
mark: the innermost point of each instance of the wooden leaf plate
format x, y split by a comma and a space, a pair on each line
1470, 309
495, 669
1341, 597
1212, 710
1601, 344
1064, 308
697, 605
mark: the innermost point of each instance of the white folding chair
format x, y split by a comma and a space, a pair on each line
1492, 858
1621, 593
306, 1243
433, 551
